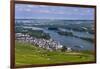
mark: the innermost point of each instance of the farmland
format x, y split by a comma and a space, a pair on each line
27, 54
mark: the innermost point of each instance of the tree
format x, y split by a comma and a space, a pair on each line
64, 48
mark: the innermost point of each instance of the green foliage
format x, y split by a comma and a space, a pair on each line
65, 33
38, 34
27, 54
64, 48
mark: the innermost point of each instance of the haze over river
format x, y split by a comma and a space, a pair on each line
69, 41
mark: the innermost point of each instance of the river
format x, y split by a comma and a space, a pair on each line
71, 41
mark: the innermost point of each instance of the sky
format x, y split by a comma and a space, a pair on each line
27, 11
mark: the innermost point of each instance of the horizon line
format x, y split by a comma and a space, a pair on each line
49, 19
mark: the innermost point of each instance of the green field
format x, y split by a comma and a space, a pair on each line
26, 54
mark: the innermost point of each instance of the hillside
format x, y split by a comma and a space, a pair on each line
27, 54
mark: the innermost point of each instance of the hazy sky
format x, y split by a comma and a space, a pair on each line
52, 12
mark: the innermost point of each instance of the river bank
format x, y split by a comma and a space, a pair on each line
36, 55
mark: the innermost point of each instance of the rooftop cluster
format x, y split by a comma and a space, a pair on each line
48, 44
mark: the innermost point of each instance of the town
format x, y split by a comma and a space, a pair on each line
48, 44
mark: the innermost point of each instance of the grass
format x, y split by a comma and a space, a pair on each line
27, 54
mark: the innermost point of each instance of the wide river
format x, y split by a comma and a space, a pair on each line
71, 41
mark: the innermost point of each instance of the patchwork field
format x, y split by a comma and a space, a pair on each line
27, 54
